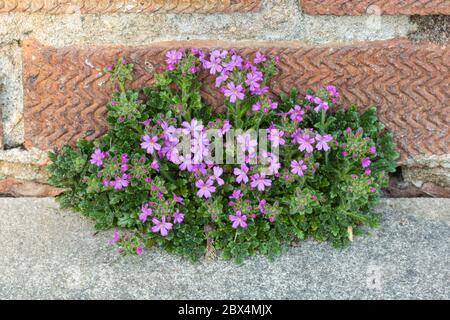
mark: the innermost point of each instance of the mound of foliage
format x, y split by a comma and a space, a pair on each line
158, 177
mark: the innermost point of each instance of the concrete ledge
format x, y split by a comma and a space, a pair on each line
48, 253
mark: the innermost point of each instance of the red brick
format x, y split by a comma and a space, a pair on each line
65, 93
128, 6
382, 7
22, 188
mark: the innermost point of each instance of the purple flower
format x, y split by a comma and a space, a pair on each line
256, 106
116, 236
365, 162
247, 143
161, 226
296, 113
238, 220
262, 206
192, 127
155, 165
97, 157
253, 79
276, 137
225, 128
177, 199
150, 144
205, 188
259, 181
373, 150
259, 58
178, 217
236, 194
145, 213
217, 173
234, 92
213, 65
320, 105
332, 90
322, 142
120, 182
223, 77
241, 174
305, 142
139, 250
297, 167
236, 62
173, 56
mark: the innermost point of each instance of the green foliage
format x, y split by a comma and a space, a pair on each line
332, 201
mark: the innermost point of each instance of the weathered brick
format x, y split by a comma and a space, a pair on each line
383, 7
128, 6
23, 188
65, 90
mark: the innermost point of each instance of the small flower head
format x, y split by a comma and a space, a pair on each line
238, 220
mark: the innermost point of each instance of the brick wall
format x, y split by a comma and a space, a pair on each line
52, 88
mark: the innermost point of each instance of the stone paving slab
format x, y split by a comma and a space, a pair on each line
47, 253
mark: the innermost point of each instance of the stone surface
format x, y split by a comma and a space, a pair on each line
435, 28
127, 6
48, 253
378, 7
65, 88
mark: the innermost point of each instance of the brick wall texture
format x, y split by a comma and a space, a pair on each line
127, 6
65, 93
380, 7
65, 89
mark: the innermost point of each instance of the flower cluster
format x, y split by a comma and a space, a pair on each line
158, 173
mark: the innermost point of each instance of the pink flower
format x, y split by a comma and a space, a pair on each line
217, 173
139, 250
178, 217
177, 199
332, 90
120, 182
320, 105
344, 153
247, 143
241, 174
297, 167
205, 189
322, 142
173, 56
155, 165
97, 157
234, 92
256, 106
373, 190
276, 137
236, 194
161, 226
259, 58
259, 181
145, 213
252, 80
262, 206
373, 150
192, 127
305, 141
213, 65
238, 220
223, 77
225, 128
365, 162
150, 144
296, 113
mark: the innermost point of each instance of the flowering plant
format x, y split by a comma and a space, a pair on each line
172, 171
